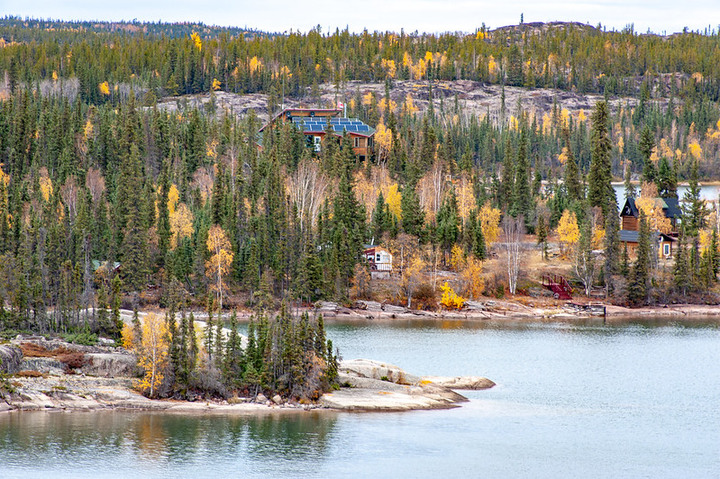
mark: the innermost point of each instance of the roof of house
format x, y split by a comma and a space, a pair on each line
339, 125
671, 207
631, 236
375, 248
289, 114
629, 209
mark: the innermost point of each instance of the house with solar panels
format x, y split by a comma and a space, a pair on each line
316, 123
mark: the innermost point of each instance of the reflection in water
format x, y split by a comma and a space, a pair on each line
39, 439
631, 400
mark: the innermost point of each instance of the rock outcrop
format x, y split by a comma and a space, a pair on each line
461, 382
10, 358
377, 386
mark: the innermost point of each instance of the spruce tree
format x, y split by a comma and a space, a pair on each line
646, 145
639, 283
412, 213
600, 190
666, 180
694, 210
522, 196
573, 184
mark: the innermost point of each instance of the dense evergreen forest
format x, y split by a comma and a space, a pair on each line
107, 199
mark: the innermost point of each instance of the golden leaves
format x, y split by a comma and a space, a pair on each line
153, 354
104, 88
46, 186
197, 41
173, 197
388, 67
450, 299
568, 231
222, 257
181, 224
255, 64
383, 141
489, 218
695, 150
652, 207
215, 84
393, 198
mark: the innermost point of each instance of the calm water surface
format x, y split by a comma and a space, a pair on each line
637, 400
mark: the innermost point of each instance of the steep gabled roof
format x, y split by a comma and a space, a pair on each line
671, 207
629, 209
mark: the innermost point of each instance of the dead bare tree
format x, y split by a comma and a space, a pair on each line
308, 188
585, 263
514, 231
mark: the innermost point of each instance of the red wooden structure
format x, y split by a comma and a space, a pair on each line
558, 285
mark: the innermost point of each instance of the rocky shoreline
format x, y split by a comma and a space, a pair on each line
72, 377
498, 310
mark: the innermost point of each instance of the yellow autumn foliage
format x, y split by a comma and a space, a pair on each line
215, 84
568, 232
128, 337
489, 218
255, 64
383, 141
153, 354
46, 186
471, 276
181, 224
104, 88
393, 198
173, 198
197, 41
695, 150
450, 299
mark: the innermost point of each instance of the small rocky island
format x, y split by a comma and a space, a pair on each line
51, 374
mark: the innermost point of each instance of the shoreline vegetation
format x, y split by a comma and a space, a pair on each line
100, 378
53, 375
121, 188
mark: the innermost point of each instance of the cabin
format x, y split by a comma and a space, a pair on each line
630, 226
629, 215
665, 243
316, 123
380, 261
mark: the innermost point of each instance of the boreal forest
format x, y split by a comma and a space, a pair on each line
118, 188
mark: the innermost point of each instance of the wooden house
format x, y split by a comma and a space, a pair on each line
380, 261
316, 123
629, 215
630, 226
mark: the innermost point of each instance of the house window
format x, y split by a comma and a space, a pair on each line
377, 257
357, 142
317, 140
666, 249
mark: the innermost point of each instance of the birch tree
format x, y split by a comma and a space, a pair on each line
219, 263
514, 231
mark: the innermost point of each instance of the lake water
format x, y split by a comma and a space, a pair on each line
637, 400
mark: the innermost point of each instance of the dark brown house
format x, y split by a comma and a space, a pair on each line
316, 123
630, 226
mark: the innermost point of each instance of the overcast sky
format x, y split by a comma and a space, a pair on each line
423, 15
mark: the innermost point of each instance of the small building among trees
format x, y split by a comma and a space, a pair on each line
380, 261
630, 226
316, 123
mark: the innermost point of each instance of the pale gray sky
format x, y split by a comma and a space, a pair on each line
422, 15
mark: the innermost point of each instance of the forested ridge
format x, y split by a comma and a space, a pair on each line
107, 199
